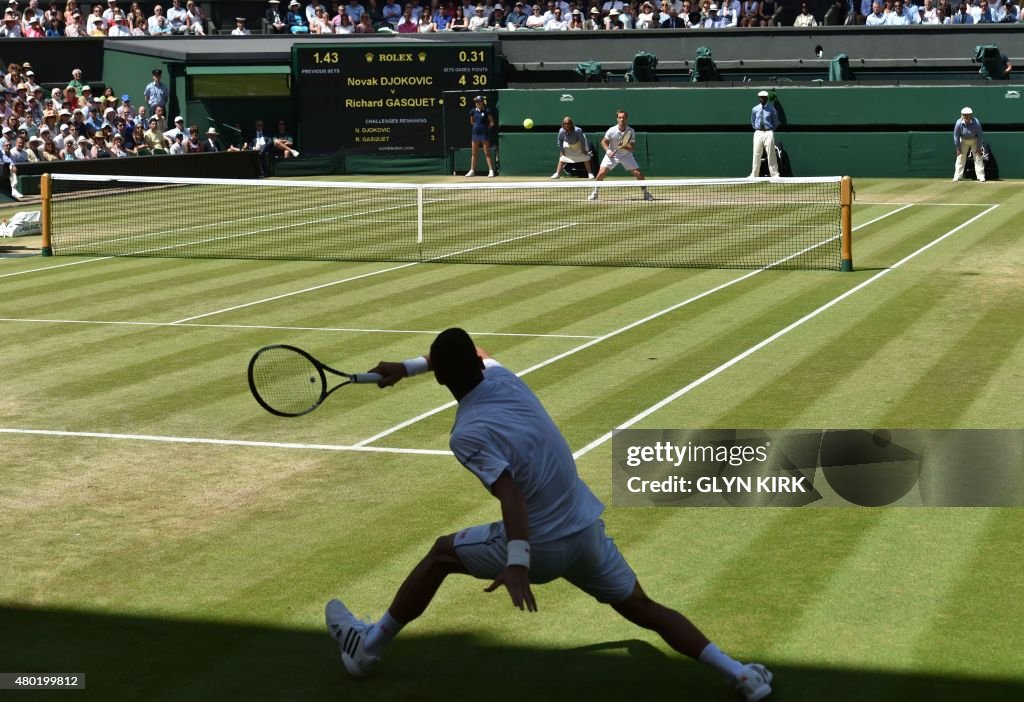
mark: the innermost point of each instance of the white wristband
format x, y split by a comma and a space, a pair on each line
415, 366
518, 553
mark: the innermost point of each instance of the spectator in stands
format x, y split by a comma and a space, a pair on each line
117, 149
876, 18
161, 117
70, 7
516, 19
179, 127
984, 14
153, 138
320, 24
177, 146
138, 142
76, 27
311, 9
283, 142
963, 15
344, 24
1009, 12
805, 18
210, 146
11, 28
136, 17
95, 25
18, 154
194, 19
111, 11
928, 13
557, 23
425, 25
749, 16
535, 20
85, 151
594, 21
297, 23
240, 29
729, 11
354, 10
408, 24
392, 13
120, 27
897, 17
55, 27
771, 12
177, 17
33, 29
478, 21
645, 18
674, 21
275, 20
192, 144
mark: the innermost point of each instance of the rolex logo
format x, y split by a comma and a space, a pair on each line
369, 56
422, 56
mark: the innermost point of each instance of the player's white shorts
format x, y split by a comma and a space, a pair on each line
574, 153
623, 157
589, 559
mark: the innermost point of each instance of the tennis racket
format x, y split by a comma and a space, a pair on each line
288, 382
626, 138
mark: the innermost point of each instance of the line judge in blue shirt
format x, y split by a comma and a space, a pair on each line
968, 136
764, 119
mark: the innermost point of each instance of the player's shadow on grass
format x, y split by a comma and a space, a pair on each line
137, 658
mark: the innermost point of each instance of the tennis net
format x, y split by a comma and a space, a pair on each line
794, 223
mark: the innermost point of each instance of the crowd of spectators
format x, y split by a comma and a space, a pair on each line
76, 123
185, 17
425, 16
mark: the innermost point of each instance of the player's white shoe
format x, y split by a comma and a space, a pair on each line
590, 176
592, 196
556, 176
490, 174
470, 174
648, 196
349, 632
755, 682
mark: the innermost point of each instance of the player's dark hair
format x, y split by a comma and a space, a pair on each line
454, 358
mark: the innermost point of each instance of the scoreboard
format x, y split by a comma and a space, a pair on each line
382, 99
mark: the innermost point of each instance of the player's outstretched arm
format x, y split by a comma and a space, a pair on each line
516, 577
393, 371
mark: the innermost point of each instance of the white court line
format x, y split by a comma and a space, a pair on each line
433, 332
620, 330
59, 265
367, 275
933, 204
760, 345
225, 442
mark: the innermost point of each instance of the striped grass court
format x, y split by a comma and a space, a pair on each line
164, 536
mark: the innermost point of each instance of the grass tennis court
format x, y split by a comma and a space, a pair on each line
163, 535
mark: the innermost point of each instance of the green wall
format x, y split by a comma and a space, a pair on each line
728, 154
859, 131
805, 106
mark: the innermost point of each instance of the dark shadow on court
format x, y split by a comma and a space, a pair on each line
137, 658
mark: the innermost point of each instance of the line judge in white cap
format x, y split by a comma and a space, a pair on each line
764, 119
968, 136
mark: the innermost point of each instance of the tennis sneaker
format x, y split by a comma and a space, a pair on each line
490, 174
590, 176
556, 176
755, 682
648, 196
349, 632
470, 174
592, 196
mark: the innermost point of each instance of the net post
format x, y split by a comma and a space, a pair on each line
846, 223
46, 190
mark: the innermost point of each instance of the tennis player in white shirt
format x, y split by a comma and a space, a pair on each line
551, 523
619, 142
